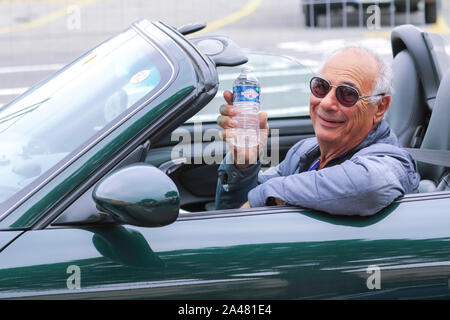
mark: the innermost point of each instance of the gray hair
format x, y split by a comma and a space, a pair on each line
383, 83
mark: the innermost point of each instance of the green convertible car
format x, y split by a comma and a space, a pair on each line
108, 173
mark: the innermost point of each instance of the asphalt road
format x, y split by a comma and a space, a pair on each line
39, 37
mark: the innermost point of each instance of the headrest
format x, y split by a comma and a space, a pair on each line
415, 41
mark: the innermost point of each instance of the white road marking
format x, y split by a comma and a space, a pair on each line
313, 64
316, 51
25, 69
31, 68
380, 45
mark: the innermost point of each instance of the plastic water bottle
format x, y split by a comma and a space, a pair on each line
246, 92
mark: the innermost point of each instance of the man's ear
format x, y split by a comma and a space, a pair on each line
382, 107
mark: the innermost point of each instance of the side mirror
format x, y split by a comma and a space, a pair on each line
138, 194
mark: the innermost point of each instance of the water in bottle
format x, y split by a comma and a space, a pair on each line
246, 92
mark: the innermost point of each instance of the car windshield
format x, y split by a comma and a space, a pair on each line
82, 101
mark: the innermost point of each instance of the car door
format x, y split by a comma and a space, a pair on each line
259, 253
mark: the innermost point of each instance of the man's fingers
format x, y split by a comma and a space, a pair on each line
228, 110
228, 95
263, 124
226, 122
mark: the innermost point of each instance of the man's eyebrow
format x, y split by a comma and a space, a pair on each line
353, 85
350, 84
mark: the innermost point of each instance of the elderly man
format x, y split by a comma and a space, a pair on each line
353, 166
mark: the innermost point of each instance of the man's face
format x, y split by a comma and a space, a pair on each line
338, 125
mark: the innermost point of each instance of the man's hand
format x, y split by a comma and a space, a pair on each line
245, 205
243, 157
277, 201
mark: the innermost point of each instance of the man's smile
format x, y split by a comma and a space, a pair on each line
330, 122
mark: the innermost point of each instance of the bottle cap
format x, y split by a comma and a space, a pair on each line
247, 69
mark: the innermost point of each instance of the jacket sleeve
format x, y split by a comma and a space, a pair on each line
234, 184
362, 185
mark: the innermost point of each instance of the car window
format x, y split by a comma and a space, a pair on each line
80, 102
284, 87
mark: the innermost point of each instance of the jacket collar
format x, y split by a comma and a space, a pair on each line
381, 134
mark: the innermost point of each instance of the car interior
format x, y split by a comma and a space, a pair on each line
419, 110
419, 115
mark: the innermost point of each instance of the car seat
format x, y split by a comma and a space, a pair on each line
416, 81
437, 137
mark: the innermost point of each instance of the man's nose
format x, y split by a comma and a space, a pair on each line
330, 102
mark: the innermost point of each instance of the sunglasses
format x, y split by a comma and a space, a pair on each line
345, 94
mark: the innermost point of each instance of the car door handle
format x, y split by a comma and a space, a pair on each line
172, 165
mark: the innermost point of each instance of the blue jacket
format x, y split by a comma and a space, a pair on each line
367, 179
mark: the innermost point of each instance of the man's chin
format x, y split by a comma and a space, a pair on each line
328, 135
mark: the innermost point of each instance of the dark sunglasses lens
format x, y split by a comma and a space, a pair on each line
347, 96
319, 87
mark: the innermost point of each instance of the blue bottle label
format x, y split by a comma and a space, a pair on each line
246, 93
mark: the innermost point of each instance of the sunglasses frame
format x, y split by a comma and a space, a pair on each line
340, 86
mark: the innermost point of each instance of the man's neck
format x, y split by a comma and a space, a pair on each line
326, 155
330, 151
